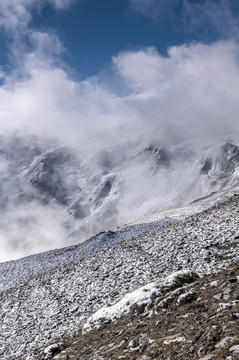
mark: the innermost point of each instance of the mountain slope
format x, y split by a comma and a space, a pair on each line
57, 302
197, 321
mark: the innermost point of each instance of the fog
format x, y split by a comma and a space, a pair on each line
29, 229
142, 98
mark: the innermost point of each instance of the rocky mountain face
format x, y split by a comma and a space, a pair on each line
74, 196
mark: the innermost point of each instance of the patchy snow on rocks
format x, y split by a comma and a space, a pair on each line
144, 295
140, 296
57, 302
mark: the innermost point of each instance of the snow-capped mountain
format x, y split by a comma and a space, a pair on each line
52, 196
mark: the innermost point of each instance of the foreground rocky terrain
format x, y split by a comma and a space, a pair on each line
55, 304
196, 321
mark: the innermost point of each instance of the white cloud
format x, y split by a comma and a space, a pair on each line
61, 4
16, 14
49, 103
190, 93
192, 16
154, 8
195, 87
213, 15
31, 228
24, 42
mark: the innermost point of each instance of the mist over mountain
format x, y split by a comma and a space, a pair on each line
53, 196
152, 130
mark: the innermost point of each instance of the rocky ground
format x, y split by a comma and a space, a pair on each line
55, 304
196, 321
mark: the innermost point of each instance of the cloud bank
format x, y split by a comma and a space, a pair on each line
193, 90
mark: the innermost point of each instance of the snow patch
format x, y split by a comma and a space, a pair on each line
178, 339
144, 295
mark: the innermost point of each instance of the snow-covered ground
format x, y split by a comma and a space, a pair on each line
17, 272
58, 301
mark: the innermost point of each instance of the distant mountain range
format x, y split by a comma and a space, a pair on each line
52, 196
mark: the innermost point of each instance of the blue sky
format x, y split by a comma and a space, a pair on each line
95, 30
92, 31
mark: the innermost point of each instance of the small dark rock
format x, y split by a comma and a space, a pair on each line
141, 325
140, 309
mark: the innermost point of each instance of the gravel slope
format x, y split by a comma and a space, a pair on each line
57, 302
199, 321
